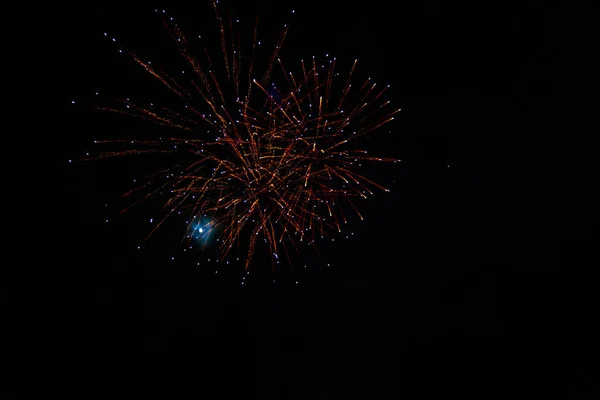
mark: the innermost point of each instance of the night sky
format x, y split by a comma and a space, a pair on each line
462, 281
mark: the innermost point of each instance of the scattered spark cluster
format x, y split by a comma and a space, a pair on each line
261, 157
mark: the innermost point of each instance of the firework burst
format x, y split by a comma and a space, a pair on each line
263, 152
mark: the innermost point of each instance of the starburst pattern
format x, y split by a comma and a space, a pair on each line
268, 155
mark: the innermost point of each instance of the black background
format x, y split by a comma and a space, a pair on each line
467, 280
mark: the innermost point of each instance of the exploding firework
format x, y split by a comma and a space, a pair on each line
263, 154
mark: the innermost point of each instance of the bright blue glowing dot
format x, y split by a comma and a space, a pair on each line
200, 230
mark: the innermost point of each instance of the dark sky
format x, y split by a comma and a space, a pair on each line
463, 281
